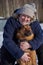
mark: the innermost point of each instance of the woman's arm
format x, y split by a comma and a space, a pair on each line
8, 43
38, 39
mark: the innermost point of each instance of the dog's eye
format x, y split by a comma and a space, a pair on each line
27, 33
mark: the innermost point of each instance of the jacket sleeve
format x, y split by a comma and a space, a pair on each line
8, 43
38, 39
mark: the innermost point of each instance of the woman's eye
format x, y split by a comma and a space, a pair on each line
23, 16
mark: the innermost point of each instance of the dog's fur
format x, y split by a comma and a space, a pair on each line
25, 34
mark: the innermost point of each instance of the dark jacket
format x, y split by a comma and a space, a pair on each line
9, 32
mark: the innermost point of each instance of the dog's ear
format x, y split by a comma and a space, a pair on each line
27, 27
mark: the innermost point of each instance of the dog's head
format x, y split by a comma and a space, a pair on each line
25, 33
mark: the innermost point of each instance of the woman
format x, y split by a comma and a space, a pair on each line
24, 15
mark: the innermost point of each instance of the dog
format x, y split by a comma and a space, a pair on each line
25, 33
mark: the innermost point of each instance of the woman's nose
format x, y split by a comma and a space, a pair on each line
26, 18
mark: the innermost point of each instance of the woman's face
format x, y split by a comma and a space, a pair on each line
24, 19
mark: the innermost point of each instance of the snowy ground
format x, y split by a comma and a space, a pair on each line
1, 38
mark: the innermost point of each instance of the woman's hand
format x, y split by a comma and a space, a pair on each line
25, 45
25, 57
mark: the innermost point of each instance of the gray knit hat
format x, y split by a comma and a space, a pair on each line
27, 9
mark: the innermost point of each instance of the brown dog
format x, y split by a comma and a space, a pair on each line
25, 34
